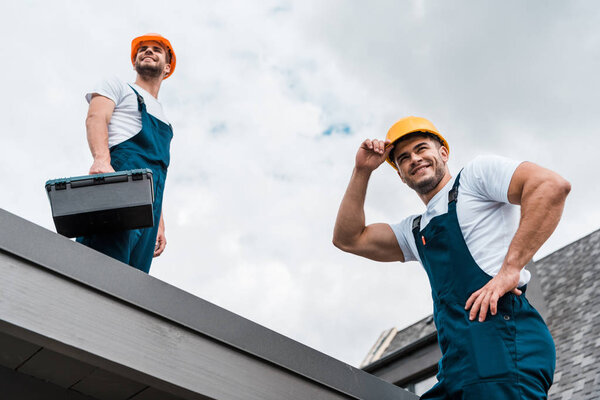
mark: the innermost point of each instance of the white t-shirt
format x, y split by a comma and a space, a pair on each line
126, 120
487, 220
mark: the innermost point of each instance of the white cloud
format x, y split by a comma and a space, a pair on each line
254, 185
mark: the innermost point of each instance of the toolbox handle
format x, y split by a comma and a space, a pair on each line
98, 181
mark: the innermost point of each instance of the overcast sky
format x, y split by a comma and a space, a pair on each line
269, 102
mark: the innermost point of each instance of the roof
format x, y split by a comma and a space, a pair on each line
402, 357
409, 335
76, 324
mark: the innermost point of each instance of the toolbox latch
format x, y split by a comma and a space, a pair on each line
137, 176
60, 185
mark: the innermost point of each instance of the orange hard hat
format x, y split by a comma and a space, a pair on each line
136, 43
409, 125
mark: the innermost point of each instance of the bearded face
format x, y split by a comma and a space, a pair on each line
151, 60
429, 182
421, 163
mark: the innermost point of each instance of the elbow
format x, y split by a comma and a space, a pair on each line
341, 244
561, 188
566, 187
337, 243
554, 189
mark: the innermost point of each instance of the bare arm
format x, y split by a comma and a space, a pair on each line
376, 241
161, 239
541, 194
96, 123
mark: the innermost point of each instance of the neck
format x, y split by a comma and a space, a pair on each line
150, 85
426, 197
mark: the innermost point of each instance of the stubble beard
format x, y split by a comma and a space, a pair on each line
149, 71
427, 185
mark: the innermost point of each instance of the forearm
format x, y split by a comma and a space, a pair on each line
97, 136
541, 209
350, 221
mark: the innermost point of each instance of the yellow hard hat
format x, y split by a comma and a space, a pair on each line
410, 125
136, 43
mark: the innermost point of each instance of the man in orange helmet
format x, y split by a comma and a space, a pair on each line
127, 129
473, 241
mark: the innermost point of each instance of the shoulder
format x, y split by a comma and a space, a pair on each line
484, 165
488, 176
112, 87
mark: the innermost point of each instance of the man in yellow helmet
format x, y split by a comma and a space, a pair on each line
127, 129
473, 241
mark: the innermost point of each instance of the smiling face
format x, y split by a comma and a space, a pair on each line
421, 162
151, 60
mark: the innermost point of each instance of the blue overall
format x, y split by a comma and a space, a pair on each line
510, 355
147, 149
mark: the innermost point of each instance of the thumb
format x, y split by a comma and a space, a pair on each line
388, 148
516, 291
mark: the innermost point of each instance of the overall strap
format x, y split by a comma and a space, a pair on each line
453, 193
416, 225
140, 99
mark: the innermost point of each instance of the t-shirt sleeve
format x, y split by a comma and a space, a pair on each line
488, 177
111, 88
403, 232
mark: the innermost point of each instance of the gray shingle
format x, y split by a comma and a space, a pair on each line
572, 293
411, 334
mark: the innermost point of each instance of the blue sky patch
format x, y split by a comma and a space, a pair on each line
218, 128
343, 129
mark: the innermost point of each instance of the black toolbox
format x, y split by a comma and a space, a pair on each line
102, 203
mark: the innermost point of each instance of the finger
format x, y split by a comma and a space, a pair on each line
475, 308
494, 304
160, 247
472, 299
368, 144
484, 307
376, 146
388, 149
517, 291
